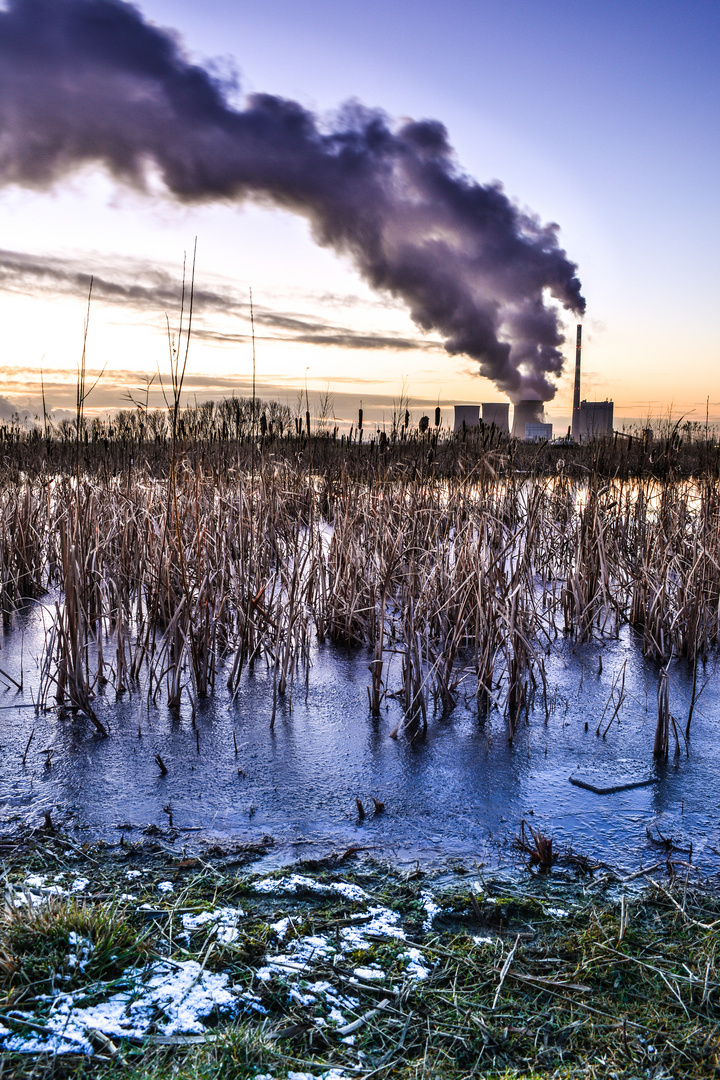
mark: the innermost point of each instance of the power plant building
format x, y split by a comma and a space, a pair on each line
497, 413
590, 419
538, 432
595, 418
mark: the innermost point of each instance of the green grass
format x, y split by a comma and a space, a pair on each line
36, 954
579, 996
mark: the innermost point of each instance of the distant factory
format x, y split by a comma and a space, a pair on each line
528, 418
529, 421
590, 419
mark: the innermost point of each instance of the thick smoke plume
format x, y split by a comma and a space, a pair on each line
90, 81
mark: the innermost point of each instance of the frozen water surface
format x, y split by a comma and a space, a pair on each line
458, 791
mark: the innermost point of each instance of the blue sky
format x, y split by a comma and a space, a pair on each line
600, 117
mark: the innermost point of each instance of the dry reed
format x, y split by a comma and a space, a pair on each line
174, 558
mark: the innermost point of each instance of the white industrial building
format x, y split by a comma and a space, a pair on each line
527, 411
590, 419
538, 432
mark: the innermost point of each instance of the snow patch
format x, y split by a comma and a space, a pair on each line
174, 997
226, 918
431, 910
295, 883
415, 969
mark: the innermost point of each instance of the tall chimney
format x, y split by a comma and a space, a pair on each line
576, 395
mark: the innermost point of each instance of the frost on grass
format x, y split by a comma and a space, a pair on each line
174, 998
331, 1074
38, 888
295, 883
171, 998
415, 969
373, 971
295, 963
82, 951
226, 920
301, 952
431, 910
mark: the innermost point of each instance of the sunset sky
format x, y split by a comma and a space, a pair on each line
603, 118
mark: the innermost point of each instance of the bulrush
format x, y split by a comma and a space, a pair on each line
181, 549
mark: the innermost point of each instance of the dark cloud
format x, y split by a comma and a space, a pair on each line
10, 411
152, 290
136, 284
323, 335
91, 82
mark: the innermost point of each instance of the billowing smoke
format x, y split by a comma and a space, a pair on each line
90, 81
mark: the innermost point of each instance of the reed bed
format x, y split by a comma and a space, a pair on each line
175, 562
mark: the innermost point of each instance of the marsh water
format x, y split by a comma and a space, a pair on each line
460, 790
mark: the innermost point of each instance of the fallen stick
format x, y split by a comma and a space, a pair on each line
348, 1029
10, 679
641, 873
505, 969
32, 736
551, 984
102, 1042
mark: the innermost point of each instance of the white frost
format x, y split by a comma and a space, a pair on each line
415, 969
369, 973
431, 910
226, 918
281, 927
298, 883
182, 993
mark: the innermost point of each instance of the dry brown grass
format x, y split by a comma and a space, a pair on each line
181, 564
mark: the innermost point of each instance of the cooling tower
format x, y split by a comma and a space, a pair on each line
528, 411
497, 413
469, 415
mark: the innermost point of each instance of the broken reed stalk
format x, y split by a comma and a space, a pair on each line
662, 730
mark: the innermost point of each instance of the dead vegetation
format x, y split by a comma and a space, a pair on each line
184, 550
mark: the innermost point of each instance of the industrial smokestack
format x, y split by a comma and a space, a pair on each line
91, 83
575, 431
528, 411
